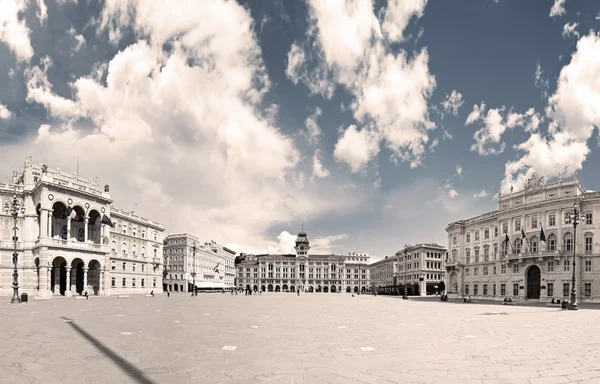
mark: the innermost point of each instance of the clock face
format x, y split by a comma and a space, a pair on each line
302, 247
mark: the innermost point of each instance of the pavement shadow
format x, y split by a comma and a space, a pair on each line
126, 366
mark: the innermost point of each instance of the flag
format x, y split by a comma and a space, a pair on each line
71, 213
542, 235
216, 268
106, 220
523, 233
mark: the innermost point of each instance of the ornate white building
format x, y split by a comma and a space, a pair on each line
304, 271
483, 264
420, 272
63, 246
213, 264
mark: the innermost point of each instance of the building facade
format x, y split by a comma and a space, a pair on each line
304, 271
213, 264
524, 250
419, 272
64, 246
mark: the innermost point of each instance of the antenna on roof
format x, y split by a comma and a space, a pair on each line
302, 226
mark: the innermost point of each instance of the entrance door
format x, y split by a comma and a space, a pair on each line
533, 282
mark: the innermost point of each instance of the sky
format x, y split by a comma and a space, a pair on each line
373, 123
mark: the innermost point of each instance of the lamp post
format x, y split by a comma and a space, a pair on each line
13, 208
194, 248
574, 216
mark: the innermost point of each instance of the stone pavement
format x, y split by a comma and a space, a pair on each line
283, 338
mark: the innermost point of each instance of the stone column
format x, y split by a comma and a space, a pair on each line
423, 286
49, 229
43, 224
68, 229
101, 290
68, 291
85, 281
85, 229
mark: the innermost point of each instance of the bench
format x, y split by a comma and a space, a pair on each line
122, 297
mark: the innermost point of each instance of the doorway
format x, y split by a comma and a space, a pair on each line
533, 282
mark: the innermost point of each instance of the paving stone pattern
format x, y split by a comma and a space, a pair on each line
282, 338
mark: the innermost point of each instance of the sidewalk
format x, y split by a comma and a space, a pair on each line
495, 302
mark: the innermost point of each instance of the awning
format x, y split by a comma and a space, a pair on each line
209, 284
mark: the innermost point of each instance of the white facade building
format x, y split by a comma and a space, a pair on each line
68, 255
420, 272
304, 271
212, 263
483, 264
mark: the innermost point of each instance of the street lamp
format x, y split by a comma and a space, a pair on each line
13, 208
194, 248
574, 216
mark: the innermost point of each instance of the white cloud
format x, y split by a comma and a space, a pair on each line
5, 114
480, 194
39, 90
575, 113
318, 170
475, 115
390, 90
397, 15
196, 141
79, 39
453, 102
356, 148
313, 131
286, 242
558, 9
13, 30
490, 134
452, 193
569, 30
459, 170
42, 12
540, 82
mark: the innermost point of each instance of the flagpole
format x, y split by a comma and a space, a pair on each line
77, 175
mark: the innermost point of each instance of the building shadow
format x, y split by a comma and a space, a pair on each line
126, 366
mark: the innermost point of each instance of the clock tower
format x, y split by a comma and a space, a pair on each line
302, 245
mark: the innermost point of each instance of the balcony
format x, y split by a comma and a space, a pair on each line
73, 245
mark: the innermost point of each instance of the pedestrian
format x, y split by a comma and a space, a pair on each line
86, 296
152, 293
168, 294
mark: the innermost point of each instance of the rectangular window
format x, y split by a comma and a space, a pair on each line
503, 269
587, 291
124, 266
494, 289
142, 267
154, 283
486, 253
566, 289
588, 265
466, 289
113, 282
124, 282
468, 237
143, 283
466, 271
133, 267
551, 266
495, 272
505, 227
552, 220
502, 289
550, 289
566, 266
496, 231
476, 235
517, 225
475, 289
588, 244
454, 240
485, 270
486, 233
133, 282
485, 291
588, 218
468, 256
515, 268
475, 270
534, 223
567, 218
515, 289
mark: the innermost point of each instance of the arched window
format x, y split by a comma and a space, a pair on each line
517, 245
552, 242
486, 253
133, 250
143, 252
63, 232
124, 249
155, 253
568, 241
80, 234
468, 255
114, 246
533, 244
477, 252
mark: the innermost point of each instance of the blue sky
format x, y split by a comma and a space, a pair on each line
237, 121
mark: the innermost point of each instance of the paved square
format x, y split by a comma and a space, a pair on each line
312, 338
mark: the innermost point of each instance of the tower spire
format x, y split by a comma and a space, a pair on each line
302, 226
